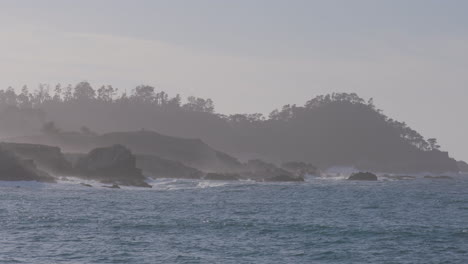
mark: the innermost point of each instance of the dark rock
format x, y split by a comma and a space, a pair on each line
259, 165
192, 152
13, 168
189, 151
47, 158
156, 167
115, 164
73, 158
363, 176
263, 171
300, 169
222, 176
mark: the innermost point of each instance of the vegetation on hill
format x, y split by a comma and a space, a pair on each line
333, 129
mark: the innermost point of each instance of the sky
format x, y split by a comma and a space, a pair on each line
410, 56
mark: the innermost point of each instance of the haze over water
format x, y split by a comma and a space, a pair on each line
253, 56
242, 131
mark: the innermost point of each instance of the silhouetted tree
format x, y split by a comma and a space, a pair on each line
68, 93
57, 93
84, 91
106, 93
199, 105
143, 93
24, 98
433, 144
175, 101
9, 97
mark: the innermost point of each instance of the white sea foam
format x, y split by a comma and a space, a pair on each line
209, 184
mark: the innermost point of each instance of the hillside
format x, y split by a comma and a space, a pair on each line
338, 129
342, 130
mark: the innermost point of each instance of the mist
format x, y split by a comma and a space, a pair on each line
247, 131
400, 54
337, 129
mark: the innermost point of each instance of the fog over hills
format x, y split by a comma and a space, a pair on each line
339, 129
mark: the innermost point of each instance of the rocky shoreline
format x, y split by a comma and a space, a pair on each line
118, 166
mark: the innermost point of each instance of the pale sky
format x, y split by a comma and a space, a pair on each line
411, 56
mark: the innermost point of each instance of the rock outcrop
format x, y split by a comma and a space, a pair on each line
156, 167
115, 165
300, 169
259, 170
13, 168
363, 176
47, 158
191, 152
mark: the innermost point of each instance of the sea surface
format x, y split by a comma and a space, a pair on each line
324, 220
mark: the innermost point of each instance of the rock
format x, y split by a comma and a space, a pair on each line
259, 170
191, 152
363, 176
73, 158
222, 176
13, 168
300, 169
86, 185
156, 167
115, 164
47, 158
259, 165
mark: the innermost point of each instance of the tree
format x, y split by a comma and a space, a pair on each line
106, 93
68, 93
84, 91
41, 95
162, 98
143, 93
199, 105
57, 93
370, 103
433, 144
9, 97
123, 99
24, 98
175, 101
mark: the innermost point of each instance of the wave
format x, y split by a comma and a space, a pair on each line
171, 184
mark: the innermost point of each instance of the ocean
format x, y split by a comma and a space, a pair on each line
324, 220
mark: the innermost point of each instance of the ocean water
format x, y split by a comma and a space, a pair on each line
184, 221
